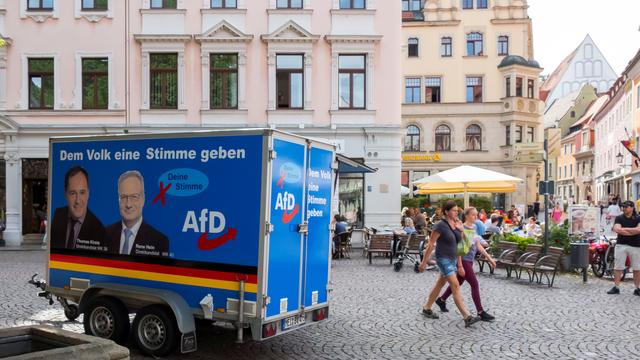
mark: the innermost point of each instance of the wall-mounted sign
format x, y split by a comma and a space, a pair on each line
432, 157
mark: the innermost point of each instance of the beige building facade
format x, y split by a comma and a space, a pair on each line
471, 91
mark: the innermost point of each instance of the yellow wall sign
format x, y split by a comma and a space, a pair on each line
434, 157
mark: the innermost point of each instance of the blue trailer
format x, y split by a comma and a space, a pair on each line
229, 226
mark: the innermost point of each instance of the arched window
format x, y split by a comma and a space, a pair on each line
412, 139
474, 44
503, 45
474, 138
443, 138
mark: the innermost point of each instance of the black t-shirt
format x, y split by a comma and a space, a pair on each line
448, 241
625, 222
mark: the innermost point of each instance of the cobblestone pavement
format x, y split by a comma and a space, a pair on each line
374, 315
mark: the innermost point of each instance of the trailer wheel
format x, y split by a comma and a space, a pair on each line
72, 312
107, 318
155, 330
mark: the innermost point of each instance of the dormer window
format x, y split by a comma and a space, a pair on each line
40, 5
164, 4
224, 4
289, 4
352, 4
95, 5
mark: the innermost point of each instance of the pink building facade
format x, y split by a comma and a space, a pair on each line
327, 69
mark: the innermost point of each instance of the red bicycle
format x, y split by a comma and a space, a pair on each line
610, 259
601, 256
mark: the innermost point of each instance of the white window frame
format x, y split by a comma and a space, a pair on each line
39, 16
240, 4
224, 48
57, 91
369, 5
146, 4
273, 4
77, 104
346, 48
93, 15
147, 49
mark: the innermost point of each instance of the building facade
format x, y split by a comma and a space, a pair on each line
584, 65
565, 183
612, 124
471, 90
326, 69
633, 71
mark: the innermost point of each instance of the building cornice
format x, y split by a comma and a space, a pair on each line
353, 38
431, 23
163, 11
162, 37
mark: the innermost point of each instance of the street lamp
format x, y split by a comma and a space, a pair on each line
620, 158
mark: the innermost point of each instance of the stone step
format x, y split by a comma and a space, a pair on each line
32, 239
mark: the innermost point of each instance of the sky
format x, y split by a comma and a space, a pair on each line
559, 26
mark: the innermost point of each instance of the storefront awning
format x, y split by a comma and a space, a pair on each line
349, 166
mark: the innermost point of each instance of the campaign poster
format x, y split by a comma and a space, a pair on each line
190, 198
584, 219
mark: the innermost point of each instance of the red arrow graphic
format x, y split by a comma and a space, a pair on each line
210, 244
280, 181
286, 218
160, 196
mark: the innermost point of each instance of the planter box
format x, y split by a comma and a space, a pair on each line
49, 343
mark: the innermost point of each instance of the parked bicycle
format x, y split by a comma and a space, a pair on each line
610, 259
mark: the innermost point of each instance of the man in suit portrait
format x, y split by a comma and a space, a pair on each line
132, 235
75, 226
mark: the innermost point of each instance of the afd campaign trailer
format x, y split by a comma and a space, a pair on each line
230, 226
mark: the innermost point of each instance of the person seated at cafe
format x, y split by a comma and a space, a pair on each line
408, 226
419, 220
514, 216
494, 227
340, 226
532, 227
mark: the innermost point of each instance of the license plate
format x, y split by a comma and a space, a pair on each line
293, 321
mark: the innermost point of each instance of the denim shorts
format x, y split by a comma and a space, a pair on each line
447, 266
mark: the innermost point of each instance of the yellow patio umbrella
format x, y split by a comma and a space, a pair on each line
467, 179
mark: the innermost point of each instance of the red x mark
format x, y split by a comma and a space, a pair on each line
160, 196
280, 182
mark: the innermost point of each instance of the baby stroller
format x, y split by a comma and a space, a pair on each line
412, 251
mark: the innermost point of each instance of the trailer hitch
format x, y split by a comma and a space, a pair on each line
42, 285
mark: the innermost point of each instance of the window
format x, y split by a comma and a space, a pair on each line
530, 88
41, 92
445, 47
412, 90
413, 47
351, 77
474, 89
474, 44
224, 81
432, 89
163, 4
289, 4
474, 138
164, 81
412, 139
95, 83
638, 97
290, 81
507, 135
40, 5
507, 86
570, 170
530, 134
518, 134
352, 4
95, 4
481, 4
503, 45
218, 4
411, 5
443, 138
519, 82
467, 4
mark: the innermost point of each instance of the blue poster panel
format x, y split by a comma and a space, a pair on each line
319, 185
287, 189
193, 199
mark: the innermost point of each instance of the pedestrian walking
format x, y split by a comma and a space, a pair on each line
447, 234
470, 216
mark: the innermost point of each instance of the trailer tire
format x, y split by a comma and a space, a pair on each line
73, 312
155, 330
107, 318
